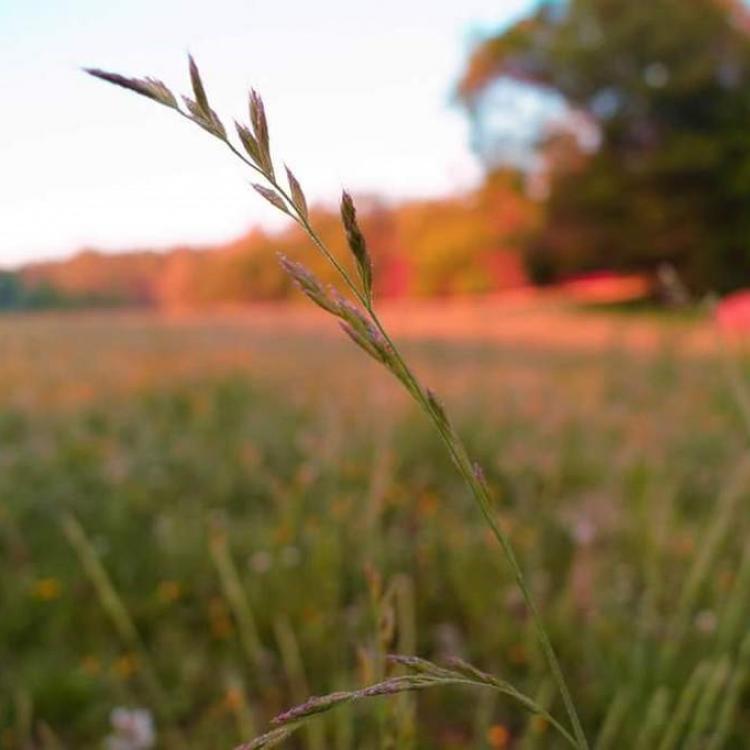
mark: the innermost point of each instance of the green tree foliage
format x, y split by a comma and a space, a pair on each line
17, 294
11, 291
665, 86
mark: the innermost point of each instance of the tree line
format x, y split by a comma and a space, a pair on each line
637, 155
470, 243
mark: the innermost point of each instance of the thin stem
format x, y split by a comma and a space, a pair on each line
528, 703
479, 491
481, 495
450, 438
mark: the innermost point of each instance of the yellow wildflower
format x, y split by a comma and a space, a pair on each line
498, 736
46, 589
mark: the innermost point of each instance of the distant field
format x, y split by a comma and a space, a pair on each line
274, 517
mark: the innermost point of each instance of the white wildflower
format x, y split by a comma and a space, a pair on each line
133, 729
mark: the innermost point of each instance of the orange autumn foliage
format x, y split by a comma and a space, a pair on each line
456, 245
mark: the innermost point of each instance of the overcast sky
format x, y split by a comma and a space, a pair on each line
358, 95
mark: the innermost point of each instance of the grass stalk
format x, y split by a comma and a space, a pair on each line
295, 674
118, 614
402, 592
469, 471
362, 323
240, 706
680, 717
733, 613
726, 513
656, 714
726, 712
704, 709
236, 597
613, 720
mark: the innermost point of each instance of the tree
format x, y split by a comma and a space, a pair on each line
664, 86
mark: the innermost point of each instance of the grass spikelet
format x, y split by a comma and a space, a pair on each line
270, 739
363, 341
271, 196
357, 243
260, 129
418, 665
298, 197
309, 284
198, 91
151, 88
249, 144
199, 109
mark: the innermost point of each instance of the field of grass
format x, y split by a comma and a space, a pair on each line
213, 518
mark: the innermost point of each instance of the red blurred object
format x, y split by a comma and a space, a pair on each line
605, 287
733, 312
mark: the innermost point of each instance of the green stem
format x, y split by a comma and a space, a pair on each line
453, 443
481, 495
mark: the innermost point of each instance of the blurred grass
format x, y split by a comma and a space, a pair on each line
273, 517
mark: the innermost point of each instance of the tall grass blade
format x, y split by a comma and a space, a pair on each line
613, 721
115, 608
706, 707
234, 593
295, 674
734, 614
239, 705
726, 512
653, 722
680, 717
728, 708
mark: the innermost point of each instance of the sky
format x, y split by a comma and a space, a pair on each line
358, 95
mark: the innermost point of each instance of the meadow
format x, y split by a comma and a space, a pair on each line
214, 517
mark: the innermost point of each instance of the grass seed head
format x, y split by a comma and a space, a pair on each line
249, 144
361, 341
298, 197
309, 284
468, 670
260, 129
207, 119
199, 92
151, 88
312, 706
270, 739
357, 243
272, 197
199, 109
